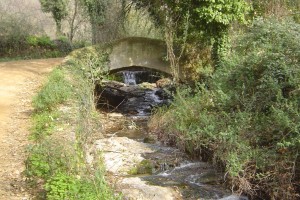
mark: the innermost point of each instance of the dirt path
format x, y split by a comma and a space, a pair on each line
19, 81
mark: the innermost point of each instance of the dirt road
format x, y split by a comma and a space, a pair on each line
19, 80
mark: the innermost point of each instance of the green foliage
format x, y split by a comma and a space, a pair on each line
138, 23
14, 31
93, 62
58, 9
43, 125
194, 22
61, 186
144, 167
54, 92
250, 117
41, 41
263, 78
62, 44
27, 46
96, 9
65, 186
276, 9
57, 158
46, 159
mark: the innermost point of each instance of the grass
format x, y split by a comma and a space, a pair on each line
56, 91
64, 122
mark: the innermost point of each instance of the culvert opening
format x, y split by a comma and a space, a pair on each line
134, 92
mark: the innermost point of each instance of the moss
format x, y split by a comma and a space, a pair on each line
144, 167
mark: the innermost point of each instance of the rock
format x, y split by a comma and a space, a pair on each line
144, 167
133, 91
164, 82
121, 154
112, 84
147, 85
135, 188
163, 94
149, 139
113, 115
235, 197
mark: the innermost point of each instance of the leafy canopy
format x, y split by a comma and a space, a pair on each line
210, 16
58, 8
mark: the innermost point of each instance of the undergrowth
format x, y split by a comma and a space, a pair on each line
248, 121
64, 124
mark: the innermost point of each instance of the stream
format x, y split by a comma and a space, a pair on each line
141, 167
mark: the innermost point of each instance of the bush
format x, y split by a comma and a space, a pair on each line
39, 41
18, 38
262, 81
62, 44
250, 118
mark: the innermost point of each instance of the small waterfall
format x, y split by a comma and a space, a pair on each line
129, 77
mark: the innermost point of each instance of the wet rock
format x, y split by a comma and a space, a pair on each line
163, 94
121, 154
235, 197
144, 167
133, 91
130, 99
111, 84
149, 139
110, 98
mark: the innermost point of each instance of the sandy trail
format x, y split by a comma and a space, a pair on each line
19, 80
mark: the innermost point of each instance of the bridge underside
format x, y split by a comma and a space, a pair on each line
139, 68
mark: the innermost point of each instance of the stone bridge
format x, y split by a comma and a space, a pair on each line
137, 53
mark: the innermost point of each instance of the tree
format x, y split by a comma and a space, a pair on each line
189, 21
77, 21
107, 18
58, 9
96, 10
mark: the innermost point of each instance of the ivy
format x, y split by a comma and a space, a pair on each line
58, 9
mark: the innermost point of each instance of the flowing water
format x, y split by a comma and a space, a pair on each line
132, 154
129, 77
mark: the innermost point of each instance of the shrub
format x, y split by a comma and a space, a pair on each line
39, 41
262, 79
250, 118
63, 45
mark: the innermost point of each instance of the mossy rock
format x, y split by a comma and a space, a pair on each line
144, 167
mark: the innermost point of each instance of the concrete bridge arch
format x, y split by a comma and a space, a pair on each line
138, 53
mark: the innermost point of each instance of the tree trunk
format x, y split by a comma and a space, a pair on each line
72, 28
58, 29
